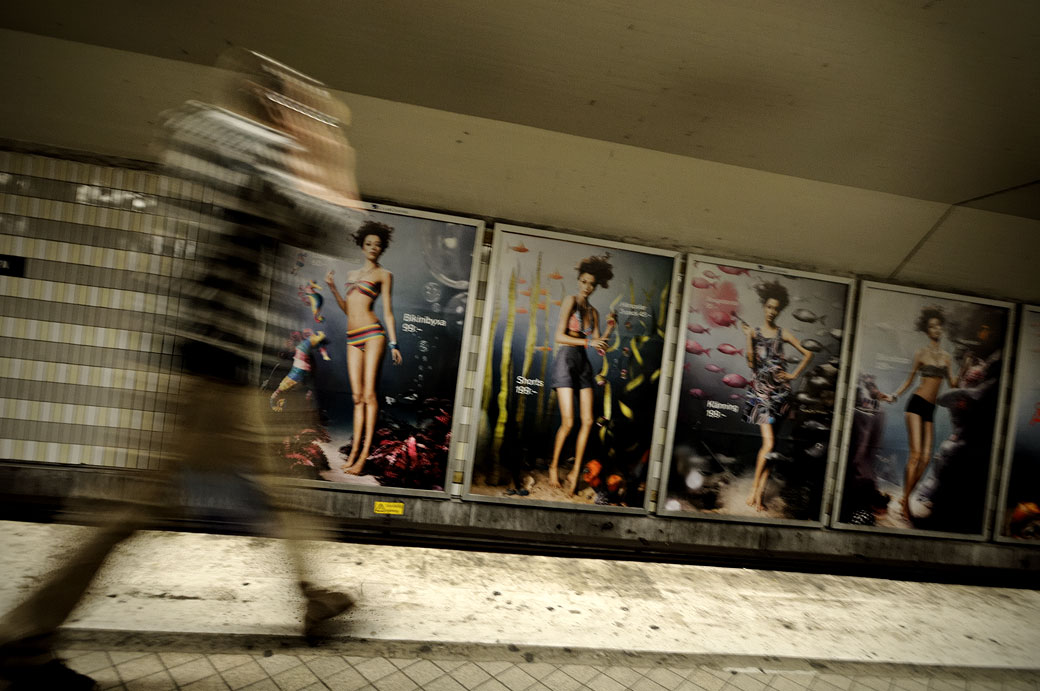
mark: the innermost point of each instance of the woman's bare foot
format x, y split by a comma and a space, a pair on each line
572, 480
554, 478
751, 500
355, 469
905, 509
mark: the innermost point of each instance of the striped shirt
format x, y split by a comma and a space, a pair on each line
225, 328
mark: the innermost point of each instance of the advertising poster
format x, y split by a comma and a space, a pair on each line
923, 407
1020, 496
574, 332
758, 367
365, 388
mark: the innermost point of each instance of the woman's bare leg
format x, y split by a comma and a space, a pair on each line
914, 432
355, 365
761, 471
374, 351
565, 397
585, 402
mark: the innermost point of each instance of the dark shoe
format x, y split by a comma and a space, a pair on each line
322, 605
50, 675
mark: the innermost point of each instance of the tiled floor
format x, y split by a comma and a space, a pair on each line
308, 669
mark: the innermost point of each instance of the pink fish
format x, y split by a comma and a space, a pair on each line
695, 348
735, 380
735, 396
698, 329
714, 368
733, 270
729, 349
701, 283
710, 274
697, 393
721, 318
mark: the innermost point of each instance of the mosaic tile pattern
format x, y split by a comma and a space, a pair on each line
310, 671
84, 371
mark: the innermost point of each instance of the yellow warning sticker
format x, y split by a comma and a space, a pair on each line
393, 508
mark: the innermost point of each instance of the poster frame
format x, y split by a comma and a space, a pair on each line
499, 244
837, 425
998, 420
1017, 397
458, 407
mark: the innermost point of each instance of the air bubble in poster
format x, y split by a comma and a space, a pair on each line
759, 365
569, 380
365, 388
923, 407
1019, 519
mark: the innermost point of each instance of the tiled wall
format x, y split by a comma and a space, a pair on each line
84, 368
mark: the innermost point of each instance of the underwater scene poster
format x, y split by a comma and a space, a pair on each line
365, 388
1020, 503
759, 364
573, 344
924, 405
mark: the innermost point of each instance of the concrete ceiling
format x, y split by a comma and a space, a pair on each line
934, 100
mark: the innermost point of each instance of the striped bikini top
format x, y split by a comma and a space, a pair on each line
368, 288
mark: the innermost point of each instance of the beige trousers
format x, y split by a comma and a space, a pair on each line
220, 426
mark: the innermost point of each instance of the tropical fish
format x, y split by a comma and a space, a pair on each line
722, 318
521, 310
521, 281
525, 293
541, 305
804, 315
714, 368
729, 349
543, 291
732, 270
557, 302
519, 248
710, 274
816, 450
698, 329
701, 283
697, 393
695, 348
812, 345
543, 348
555, 276
735, 380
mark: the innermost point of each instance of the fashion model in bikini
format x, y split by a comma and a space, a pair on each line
367, 338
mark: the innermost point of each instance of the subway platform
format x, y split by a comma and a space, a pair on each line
177, 610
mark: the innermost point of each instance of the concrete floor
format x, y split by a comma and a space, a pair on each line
181, 595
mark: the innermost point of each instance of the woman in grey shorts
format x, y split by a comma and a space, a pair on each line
577, 330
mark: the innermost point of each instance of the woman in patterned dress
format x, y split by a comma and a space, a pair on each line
769, 392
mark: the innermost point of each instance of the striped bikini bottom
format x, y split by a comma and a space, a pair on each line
363, 334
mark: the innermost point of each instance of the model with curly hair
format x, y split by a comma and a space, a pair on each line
769, 392
933, 364
577, 330
366, 336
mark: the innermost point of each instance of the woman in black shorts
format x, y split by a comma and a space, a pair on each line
933, 364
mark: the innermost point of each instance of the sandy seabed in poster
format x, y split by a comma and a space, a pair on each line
716, 448
950, 494
520, 413
431, 263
